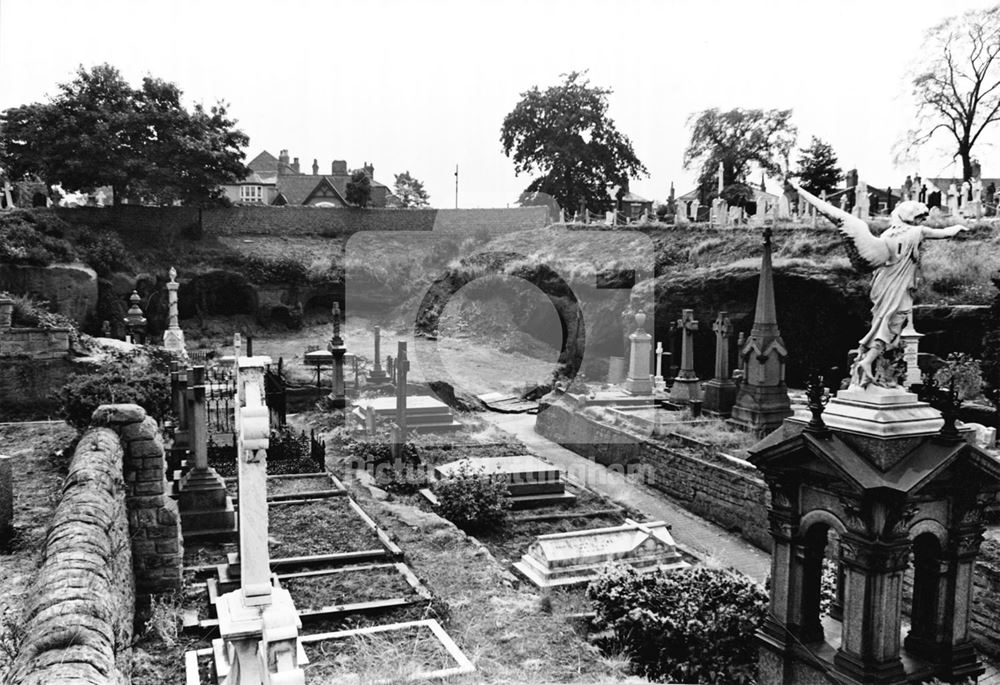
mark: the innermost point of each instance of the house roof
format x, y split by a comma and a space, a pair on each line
297, 189
942, 183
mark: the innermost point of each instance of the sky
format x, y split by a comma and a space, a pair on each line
424, 86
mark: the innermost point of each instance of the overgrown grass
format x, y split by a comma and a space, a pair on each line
958, 271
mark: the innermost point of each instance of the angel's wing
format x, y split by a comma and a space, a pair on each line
871, 248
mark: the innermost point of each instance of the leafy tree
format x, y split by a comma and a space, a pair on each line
956, 82
98, 130
565, 135
818, 170
359, 189
410, 191
738, 138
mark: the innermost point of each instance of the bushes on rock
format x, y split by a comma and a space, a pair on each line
686, 626
105, 253
132, 377
472, 499
26, 240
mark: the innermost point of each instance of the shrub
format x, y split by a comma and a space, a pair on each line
126, 378
105, 253
287, 444
403, 476
687, 626
24, 241
966, 374
472, 499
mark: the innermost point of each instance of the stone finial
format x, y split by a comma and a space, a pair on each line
640, 321
818, 397
173, 275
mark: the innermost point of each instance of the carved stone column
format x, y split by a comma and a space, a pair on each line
873, 579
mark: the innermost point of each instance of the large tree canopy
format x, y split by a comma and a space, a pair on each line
817, 169
565, 135
956, 83
738, 138
358, 191
97, 130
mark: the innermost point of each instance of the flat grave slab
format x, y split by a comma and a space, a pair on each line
424, 414
530, 481
577, 557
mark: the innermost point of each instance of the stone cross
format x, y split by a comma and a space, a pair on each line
338, 394
723, 332
721, 177
402, 367
687, 325
258, 623
659, 360
253, 439
9, 201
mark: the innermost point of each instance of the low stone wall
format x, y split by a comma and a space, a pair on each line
154, 521
78, 622
728, 492
28, 388
37, 343
986, 600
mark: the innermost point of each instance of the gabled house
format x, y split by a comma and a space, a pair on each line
280, 181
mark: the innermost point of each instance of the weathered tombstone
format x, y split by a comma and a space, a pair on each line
258, 623
640, 342
686, 386
861, 203
206, 507
720, 392
105, 329
658, 382
577, 557
616, 370
173, 337
402, 368
377, 376
952, 199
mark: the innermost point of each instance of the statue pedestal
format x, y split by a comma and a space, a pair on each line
173, 339
881, 412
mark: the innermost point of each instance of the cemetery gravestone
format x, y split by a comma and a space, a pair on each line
686, 387
577, 557
173, 337
720, 392
531, 482
640, 344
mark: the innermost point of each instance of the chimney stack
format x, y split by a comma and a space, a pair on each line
339, 167
283, 157
370, 171
295, 165
315, 168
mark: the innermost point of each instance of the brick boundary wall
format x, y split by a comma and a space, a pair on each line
81, 605
154, 521
727, 492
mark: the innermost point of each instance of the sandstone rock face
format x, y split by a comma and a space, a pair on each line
70, 288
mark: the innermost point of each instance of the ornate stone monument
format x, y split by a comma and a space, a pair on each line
892, 487
638, 381
720, 392
338, 395
173, 337
135, 320
658, 381
686, 386
762, 399
893, 479
377, 376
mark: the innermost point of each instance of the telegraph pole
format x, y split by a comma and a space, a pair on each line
456, 186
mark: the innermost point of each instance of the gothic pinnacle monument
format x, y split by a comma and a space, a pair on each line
762, 400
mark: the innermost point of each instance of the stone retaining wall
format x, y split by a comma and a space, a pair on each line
78, 621
154, 521
986, 599
728, 492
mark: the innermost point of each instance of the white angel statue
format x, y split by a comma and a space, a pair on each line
895, 258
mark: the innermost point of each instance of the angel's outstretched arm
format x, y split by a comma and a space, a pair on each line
936, 233
831, 212
873, 250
